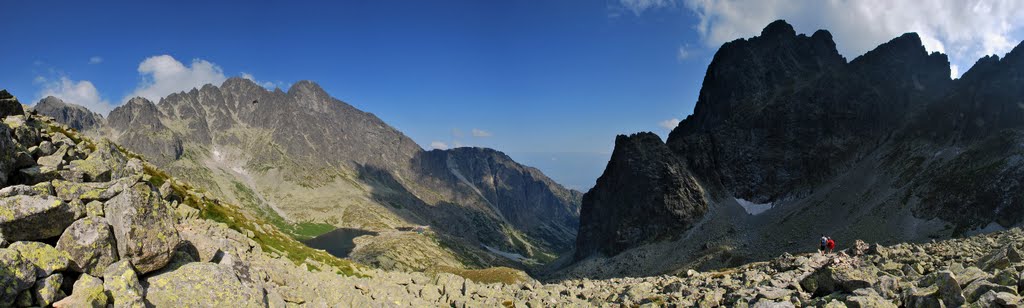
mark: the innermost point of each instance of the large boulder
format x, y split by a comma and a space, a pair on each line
33, 217
46, 258
8, 148
830, 279
89, 243
16, 275
143, 226
9, 105
999, 259
200, 284
123, 285
87, 292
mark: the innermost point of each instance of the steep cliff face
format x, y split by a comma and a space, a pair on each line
885, 147
522, 196
645, 194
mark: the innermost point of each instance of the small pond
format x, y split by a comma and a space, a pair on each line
338, 242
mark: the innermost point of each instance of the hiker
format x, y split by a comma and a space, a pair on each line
831, 245
824, 244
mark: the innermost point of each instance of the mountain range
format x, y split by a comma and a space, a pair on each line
789, 141
311, 163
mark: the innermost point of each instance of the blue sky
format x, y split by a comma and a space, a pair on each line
549, 82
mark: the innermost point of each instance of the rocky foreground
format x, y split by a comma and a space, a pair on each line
87, 224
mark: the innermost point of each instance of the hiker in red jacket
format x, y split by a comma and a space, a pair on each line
831, 245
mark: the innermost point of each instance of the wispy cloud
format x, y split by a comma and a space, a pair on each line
437, 145
266, 84
480, 133
80, 92
684, 52
640, 6
669, 124
163, 75
95, 60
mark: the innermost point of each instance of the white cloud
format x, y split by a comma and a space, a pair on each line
163, 75
669, 124
639, 6
480, 133
95, 60
964, 29
81, 92
684, 52
437, 145
458, 144
266, 84
457, 133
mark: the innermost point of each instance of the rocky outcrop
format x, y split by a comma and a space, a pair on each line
645, 194
75, 116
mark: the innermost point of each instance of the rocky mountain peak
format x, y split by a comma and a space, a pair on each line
644, 194
778, 29
75, 116
137, 113
305, 86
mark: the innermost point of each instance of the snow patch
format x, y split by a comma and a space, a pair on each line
217, 156
753, 208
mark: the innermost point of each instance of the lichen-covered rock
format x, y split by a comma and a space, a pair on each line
16, 275
121, 281
47, 290
55, 160
829, 279
143, 227
200, 284
46, 258
94, 209
33, 217
89, 243
41, 189
93, 168
87, 292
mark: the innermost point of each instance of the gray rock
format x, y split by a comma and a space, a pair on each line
47, 290
200, 284
998, 299
977, 288
9, 105
87, 292
143, 227
54, 161
46, 259
16, 275
32, 217
89, 243
830, 279
122, 283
